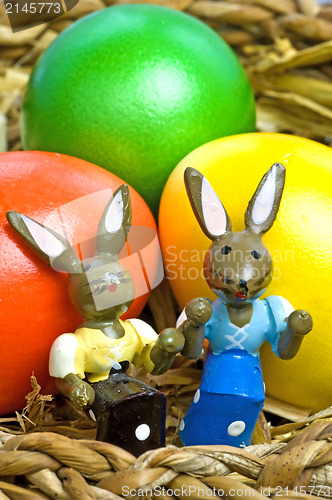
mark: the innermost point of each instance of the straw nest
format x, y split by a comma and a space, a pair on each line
48, 450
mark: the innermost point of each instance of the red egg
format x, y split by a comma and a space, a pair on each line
69, 196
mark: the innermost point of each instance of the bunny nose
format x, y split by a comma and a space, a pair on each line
243, 283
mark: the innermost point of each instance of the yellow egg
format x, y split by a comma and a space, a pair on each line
300, 243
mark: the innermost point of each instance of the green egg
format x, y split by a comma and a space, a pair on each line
134, 89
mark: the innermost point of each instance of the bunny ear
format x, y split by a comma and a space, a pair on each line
47, 244
208, 209
115, 223
264, 205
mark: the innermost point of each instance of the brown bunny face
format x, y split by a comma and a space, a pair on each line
100, 288
104, 291
237, 266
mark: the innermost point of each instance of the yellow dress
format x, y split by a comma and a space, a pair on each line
90, 353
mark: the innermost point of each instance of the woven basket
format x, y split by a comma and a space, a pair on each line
49, 451
45, 463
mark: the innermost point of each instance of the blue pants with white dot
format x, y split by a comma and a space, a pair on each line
226, 407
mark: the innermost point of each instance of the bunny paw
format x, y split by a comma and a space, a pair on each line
82, 395
171, 341
300, 322
198, 311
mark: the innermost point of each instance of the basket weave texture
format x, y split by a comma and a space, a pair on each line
63, 468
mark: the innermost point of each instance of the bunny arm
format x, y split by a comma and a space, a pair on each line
191, 323
187, 337
169, 343
299, 324
76, 389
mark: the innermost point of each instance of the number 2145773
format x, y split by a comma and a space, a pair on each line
33, 7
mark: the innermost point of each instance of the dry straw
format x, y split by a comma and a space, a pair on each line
49, 451
285, 46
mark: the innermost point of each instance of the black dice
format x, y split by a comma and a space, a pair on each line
129, 413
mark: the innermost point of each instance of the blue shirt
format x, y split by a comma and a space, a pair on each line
268, 320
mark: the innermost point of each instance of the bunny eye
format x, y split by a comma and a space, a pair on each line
113, 278
226, 250
227, 280
255, 254
93, 265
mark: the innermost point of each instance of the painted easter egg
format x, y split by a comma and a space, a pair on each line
67, 195
134, 88
300, 243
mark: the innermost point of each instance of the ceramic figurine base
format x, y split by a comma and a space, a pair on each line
235, 400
